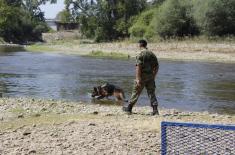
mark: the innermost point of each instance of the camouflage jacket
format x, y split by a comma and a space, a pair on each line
148, 61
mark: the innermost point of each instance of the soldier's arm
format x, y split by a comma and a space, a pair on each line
138, 72
155, 70
156, 67
139, 62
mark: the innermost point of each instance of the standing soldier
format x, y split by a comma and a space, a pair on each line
146, 70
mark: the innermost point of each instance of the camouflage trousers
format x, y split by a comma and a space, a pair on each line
150, 87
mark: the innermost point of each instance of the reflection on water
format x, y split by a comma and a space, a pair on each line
5, 49
221, 90
192, 86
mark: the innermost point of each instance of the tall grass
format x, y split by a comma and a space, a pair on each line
195, 39
2, 41
112, 55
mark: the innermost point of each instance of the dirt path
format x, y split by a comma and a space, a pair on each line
36, 126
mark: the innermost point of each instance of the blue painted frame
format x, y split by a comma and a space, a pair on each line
192, 125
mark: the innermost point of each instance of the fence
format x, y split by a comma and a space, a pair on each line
197, 139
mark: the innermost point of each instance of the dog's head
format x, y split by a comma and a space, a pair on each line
96, 91
99, 91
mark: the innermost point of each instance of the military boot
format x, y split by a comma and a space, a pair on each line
155, 110
128, 109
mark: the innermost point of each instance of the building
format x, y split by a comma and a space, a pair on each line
61, 26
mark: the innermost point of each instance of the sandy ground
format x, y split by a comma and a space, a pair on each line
37, 126
185, 50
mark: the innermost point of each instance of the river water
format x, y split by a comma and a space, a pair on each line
190, 86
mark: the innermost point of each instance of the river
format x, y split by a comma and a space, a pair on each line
189, 86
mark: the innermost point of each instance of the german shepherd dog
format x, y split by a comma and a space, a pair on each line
107, 90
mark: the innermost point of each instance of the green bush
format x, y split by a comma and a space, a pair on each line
174, 19
39, 29
112, 55
215, 17
64, 16
19, 25
186, 18
141, 26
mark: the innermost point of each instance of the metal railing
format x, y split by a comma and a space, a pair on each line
197, 139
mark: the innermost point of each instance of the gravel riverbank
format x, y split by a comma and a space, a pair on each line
37, 126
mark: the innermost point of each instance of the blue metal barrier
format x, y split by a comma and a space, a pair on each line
197, 139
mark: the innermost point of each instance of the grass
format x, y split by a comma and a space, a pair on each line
52, 119
112, 55
64, 45
196, 39
216, 49
40, 48
2, 41
17, 110
48, 119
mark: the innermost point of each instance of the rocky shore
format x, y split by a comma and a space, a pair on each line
37, 126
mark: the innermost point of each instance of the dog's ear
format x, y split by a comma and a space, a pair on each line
106, 85
95, 89
99, 89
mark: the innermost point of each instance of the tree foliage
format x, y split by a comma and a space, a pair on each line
22, 20
174, 18
141, 26
64, 16
105, 19
215, 17
179, 18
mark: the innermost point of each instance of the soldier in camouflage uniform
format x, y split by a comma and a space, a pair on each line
146, 70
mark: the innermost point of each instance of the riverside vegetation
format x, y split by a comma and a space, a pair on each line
191, 30
22, 21
59, 127
188, 30
190, 49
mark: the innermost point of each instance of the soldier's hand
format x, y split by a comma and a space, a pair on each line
138, 82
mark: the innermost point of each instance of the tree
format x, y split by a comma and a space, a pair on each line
215, 17
105, 19
141, 25
22, 20
64, 16
127, 9
157, 2
174, 19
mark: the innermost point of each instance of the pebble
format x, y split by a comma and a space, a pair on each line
63, 111
26, 132
32, 152
70, 123
95, 113
91, 124
44, 109
175, 112
37, 115
109, 114
20, 116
